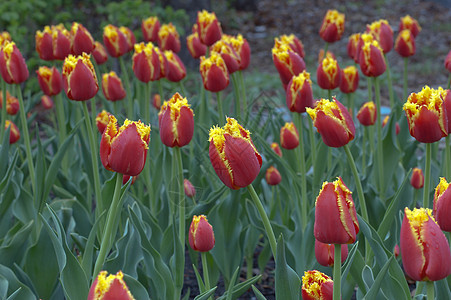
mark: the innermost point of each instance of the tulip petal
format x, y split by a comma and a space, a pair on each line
436, 251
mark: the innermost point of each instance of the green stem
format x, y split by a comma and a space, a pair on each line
370, 89
127, 88
380, 161
371, 138
415, 198
205, 270
405, 79
26, 137
221, 117
430, 290
390, 84
160, 90
249, 266
364, 148
180, 193
427, 175
337, 272
329, 95
325, 49
350, 106
419, 288
95, 164
447, 158
265, 220
312, 147
3, 113
93, 117
236, 94
301, 163
109, 233
449, 82
60, 116
182, 88
243, 94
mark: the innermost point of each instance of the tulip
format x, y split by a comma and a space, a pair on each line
353, 42
328, 74
332, 27
233, 155
129, 37
367, 114
214, 72
349, 79
335, 214
287, 62
407, 22
195, 46
176, 68
333, 122
156, 101
44, 42
329, 54
448, 61
61, 42
201, 236
146, 63
228, 54
124, 150
112, 87
371, 59
164, 64
447, 104
14, 133
424, 248
150, 28
176, 122
102, 120
426, 115
109, 287
4, 36
275, 147
417, 178
50, 80
208, 27
115, 41
273, 176
169, 38
294, 43
442, 205
242, 49
81, 40
385, 121
12, 64
12, 103
99, 53
289, 136
363, 38
324, 253
79, 78
47, 102
316, 286
383, 33
396, 251
189, 189
299, 93
405, 43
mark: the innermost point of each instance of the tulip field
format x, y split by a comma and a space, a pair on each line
128, 175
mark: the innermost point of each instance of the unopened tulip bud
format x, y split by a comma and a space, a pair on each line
176, 68
195, 46
324, 253
367, 114
215, 75
328, 74
44, 45
12, 64
81, 40
12, 103
146, 62
276, 148
228, 54
371, 59
405, 43
169, 38
150, 28
294, 43
201, 237
333, 26
396, 251
299, 94
99, 53
102, 120
407, 22
79, 78
50, 80
316, 286
129, 37
349, 79
448, 61
14, 133
273, 176
209, 28
242, 48
287, 62
417, 179
46, 102
111, 287
353, 42
383, 33
61, 42
189, 189
289, 136
115, 41
112, 87
442, 205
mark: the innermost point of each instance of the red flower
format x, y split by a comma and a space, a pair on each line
367, 114
81, 40
189, 189
349, 79
146, 63
273, 176
156, 101
14, 133
383, 33
176, 122
176, 68
324, 253
12, 64
112, 87
333, 26
115, 41
417, 179
201, 237
233, 155
195, 46
50, 80
150, 28
287, 62
353, 43
111, 287
335, 215
328, 74
289, 136
442, 205
46, 102
102, 120
99, 53
299, 93
61, 42
407, 22
168, 38
405, 43
79, 78
275, 147
293, 42
228, 54
371, 59
44, 42
448, 61
214, 72
129, 37
208, 27
12, 103
317, 286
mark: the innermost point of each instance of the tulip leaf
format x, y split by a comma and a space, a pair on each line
374, 240
7, 178
374, 291
258, 294
15, 287
239, 289
14, 295
4, 152
443, 290
206, 295
15, 243
86, 261
347, 265
200, 282
288, 283
136, 288
3, 287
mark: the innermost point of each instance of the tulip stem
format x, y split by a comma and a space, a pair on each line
180, 192
243, 94
337, 272
427, 175
350, 104
3, 113
390, 85
370, 89
329, 94
236, 94
326, 46
205, 270
26, 137
447, 158
60, 118
419, 288
405, 79
160, 90
380, 161
220, 111
127, 87
312, 148
95, 164
301, 163
109, 233
265, 220
364, 148
430, 290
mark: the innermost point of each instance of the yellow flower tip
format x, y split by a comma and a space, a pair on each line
339, 184
333, 16
150, 21
233, 128
406, 35
290, 126
104, 282
367, 37
299, 80
441, 187
206, 17
329, 65
418, 216
110, 31
175, 104
195, 222
350, 70
355, 37
214, 59
376, 25
8, 47
103, 116
167, 29
312, 281
45, 72
169, 54
367, 46
370, 105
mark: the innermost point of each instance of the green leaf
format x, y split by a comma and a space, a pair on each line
200, 282
206, 295
86, 262
375, 287
13, 248
356, 269
258, 294
15, 287
241, 288
136, 288
347, 265
443, 290
288, 284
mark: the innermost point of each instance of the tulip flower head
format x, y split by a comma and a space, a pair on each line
156, 101
150, 28
115, 41
442, 205
129, 37
295, 44
14, 133
287, 62
448, 61
417, 178
426, 115
102, 120
333, 121
81, 40
12, 64
424, 248
349, 79
208, 27
112, 87
169, 38
328, 74
4, 36
61, 42
50, 80
124, 149
371, 59
383, 33
176, 68
353, 42
195, 46
299, 94
405, 43
176, 122
12, 103
276, 148
324, 253
317, 286
109, 287
201, 237
46, 102
213, 70
99, 53
335, 214
146, 62
289, 136
189, 189
44, 43
333, 26
228, 54
396, 251
233, 155
367, 114
407, 22
273, 176
242, 49
79, 78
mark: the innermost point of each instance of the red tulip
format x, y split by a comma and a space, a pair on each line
150, 28
328, 74
349, 79
426, 115
442, 205
195, 46
333, 26
44, 43
293, 42
102, 120
299, 93
448, 61
333, 122
201, 237
287, 62
176, 68
317, 286
228, 54
424, 248
335, 215
407, 22
124, 150
79, 78
214, 72
289, 136
417, 179
81, 40
12, 103
396, 251
383, 33
129, 37
275, 147
156, 101
99, 53
111, 287
324, 253
169, 38
371, 59
146, 63
61, 42
447, 104
176, 122
242, 48
14, 133
353, 42
12, 64
405, 43
112, 87
50, 80
115, 41
273, 176
189, 189
208, 27
46, 102
367, 114
4, 36
233, 155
